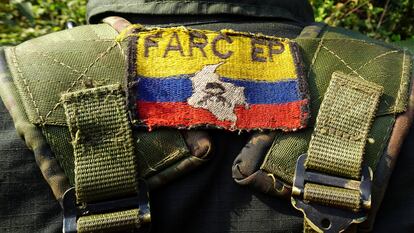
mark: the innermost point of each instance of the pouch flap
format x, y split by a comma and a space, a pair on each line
46, 67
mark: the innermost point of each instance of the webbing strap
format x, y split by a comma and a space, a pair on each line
103, 145
332, 196
121, 221
344, 120
105, 166
338, 142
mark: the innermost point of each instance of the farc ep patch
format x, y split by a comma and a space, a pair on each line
187, 78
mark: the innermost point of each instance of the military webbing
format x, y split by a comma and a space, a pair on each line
117, 221
105, 166
343, 123
338, 142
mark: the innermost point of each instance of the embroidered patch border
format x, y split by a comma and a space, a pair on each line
185, 78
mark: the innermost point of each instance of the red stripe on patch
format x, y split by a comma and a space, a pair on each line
178, 114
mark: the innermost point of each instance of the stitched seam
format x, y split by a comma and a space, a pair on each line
343, 61
56, 123
384, 142
64, 65
318, 49
397, 101
119, 46
59, 62
357, 40
342, 39
393, 109
376, 58
362, 42
19, 71
82, 75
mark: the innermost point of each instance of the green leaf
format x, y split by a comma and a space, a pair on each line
25, 8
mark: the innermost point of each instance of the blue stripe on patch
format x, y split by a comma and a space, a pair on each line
175, 89
179, 89
268, 92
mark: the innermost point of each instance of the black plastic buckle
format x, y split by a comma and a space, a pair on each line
71, 212
328, 218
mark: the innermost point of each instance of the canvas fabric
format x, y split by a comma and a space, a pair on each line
234, 216
28, 204
105, 59
101, 66
279, 160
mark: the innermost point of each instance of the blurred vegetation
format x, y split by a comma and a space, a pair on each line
21, 20
390, 20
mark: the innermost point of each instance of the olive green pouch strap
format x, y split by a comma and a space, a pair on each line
342, 127
105, 165
105, 161
329, 180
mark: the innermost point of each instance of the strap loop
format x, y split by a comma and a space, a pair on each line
115, 215
330, 204
328, 186
105, 164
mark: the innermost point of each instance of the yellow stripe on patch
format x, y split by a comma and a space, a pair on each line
177, 51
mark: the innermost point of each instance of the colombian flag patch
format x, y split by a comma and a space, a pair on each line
186, 78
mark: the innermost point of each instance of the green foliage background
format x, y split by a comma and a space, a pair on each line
21, 20
390, 20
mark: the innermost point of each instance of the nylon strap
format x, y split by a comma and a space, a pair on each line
338, 142
344, 119
105, 166
122, 221
332, 196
